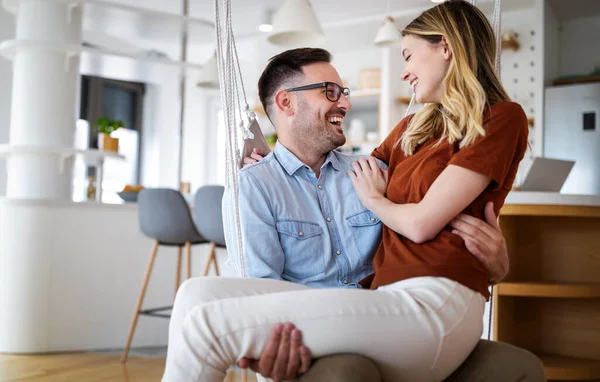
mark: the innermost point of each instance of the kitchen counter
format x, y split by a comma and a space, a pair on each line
551, 198
70, 275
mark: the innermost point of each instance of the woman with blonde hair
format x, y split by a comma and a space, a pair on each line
423, 314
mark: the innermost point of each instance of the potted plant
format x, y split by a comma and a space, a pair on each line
271, 140
105, 128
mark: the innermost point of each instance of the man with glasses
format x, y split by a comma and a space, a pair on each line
333, 91
302, 222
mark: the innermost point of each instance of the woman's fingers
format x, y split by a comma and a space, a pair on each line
256, 156
248, 160
364, 164
357, 168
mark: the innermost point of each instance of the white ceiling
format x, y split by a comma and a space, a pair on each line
335, 16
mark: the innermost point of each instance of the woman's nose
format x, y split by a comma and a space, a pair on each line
404, 76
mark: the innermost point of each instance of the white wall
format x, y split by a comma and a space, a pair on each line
349, 63
203, 141
7, 32
579, 46
75, 287
552, 44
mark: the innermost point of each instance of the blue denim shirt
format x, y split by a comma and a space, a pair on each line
301, 228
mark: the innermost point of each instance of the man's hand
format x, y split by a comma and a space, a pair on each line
283, 357
255, 156
484, 241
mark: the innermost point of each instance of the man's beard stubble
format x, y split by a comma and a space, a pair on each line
314, 133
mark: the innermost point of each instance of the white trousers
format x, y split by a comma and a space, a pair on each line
420, 329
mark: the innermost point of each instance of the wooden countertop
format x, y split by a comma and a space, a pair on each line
523, 203
550, 210
551, 198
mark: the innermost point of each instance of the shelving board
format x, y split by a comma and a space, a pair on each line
365, 93
8, 49
549, 290
13, 5
549, 210
577, 80
404, 100
561, 368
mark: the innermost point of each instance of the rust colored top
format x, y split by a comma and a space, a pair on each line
496, 155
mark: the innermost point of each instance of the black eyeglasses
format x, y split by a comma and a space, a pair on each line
333, 91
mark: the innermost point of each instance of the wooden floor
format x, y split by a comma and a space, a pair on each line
88, 367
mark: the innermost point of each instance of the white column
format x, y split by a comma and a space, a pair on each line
43, 115
44, 99
392, 86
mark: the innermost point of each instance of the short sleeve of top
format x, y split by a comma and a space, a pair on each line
384, 151
493, 154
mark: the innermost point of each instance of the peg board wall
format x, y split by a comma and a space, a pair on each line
521, 70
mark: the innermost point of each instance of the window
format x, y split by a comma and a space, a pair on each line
102, 97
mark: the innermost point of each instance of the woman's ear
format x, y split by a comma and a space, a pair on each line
447, 48
284, 103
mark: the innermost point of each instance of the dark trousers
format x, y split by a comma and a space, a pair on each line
489, 362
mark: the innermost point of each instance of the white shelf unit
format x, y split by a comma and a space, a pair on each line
13, 5
9, 47
92, 157
365, 106
365, 93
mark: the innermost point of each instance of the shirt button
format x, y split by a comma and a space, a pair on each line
320, 187
338, 252
328, 219
372, 219
300, 233
345, 281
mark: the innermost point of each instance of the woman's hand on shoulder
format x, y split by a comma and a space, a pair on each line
255, 157
369, 180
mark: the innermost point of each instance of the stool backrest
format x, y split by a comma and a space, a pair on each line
209, 214
164, 215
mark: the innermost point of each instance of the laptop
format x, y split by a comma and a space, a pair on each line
546, 174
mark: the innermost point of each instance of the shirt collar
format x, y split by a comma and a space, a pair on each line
291, 163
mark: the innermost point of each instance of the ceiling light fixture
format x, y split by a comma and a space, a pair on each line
387, 35
295, 23
266, 24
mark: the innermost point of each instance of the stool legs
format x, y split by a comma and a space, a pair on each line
136, 313
212, 258
178, 270
188, 258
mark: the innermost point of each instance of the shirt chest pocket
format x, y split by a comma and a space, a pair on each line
303, 245
366, 231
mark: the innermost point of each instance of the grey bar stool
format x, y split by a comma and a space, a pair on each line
209, 221
164, 216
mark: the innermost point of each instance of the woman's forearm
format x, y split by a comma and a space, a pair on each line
405, 219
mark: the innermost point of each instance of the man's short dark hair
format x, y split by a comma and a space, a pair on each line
284, 67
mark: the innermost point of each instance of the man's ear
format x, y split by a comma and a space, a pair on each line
283, 102
447, 48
